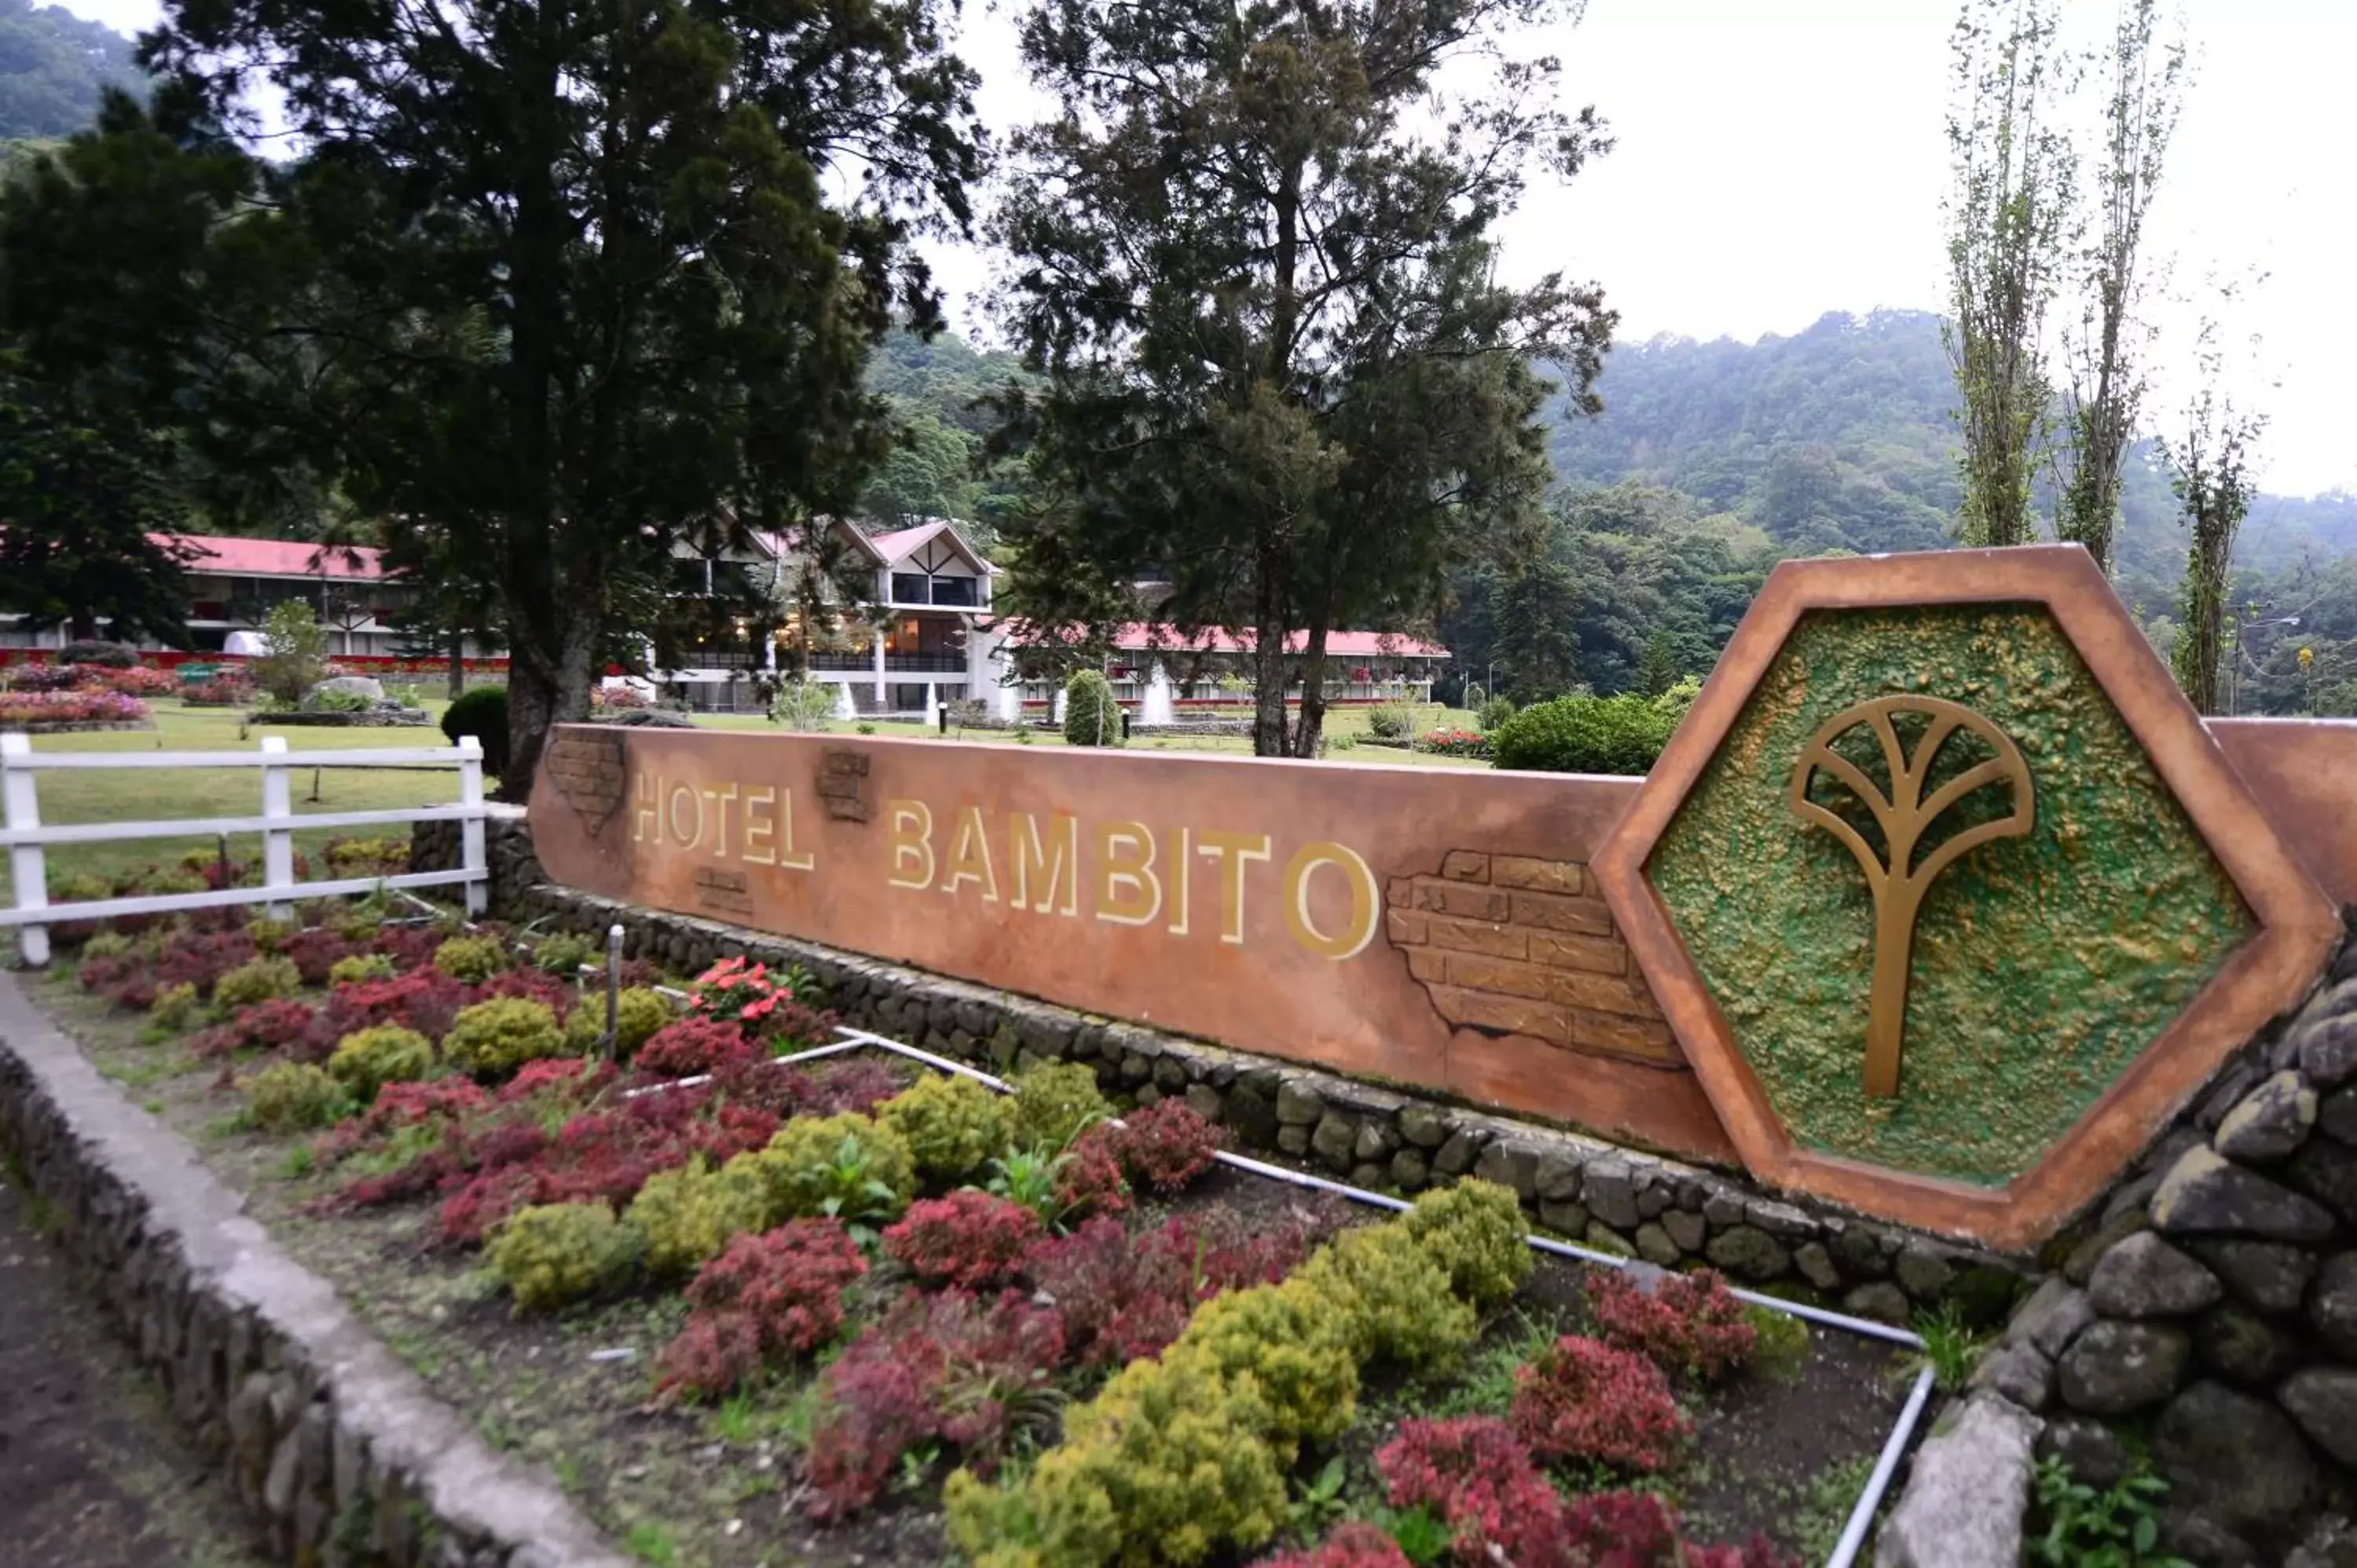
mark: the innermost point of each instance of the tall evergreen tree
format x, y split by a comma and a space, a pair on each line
1252, 257
2210, 464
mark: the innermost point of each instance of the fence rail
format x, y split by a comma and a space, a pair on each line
25, 838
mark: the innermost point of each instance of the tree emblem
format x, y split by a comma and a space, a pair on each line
1910, 734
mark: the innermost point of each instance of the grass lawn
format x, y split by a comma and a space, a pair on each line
155, 795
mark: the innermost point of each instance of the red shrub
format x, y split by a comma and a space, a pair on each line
839, 1086
1690, 1323
753, 1079
1637, 1530
1166, 1145
280, 1023
102, 974
690, 1047
767, 1298
969, 1239
1124, 1295
142, 681
1090, 1180
875, 1411
200, 958
1584, 1400
715, 1353
1356, 1544
427, 1001
532, 985
410, 947
314, 951
1478, 1477
562, 1080
471, 1214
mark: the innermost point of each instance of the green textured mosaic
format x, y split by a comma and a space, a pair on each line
2043, 965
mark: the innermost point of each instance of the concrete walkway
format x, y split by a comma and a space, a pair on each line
93, 1472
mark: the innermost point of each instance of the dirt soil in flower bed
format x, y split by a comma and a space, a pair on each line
721, 1485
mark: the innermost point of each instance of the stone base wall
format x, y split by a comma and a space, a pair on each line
2211, 1317
338, 1449
1609, 1196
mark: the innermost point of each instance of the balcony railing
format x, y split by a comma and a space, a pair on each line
894, 663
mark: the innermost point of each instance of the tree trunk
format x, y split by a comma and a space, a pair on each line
1269, 732
458, 665
82, 626
1310, 735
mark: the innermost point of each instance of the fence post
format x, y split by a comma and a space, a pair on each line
277, 843
471, 853
27, 866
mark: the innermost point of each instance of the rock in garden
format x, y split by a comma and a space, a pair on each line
1858, 1249
1881, 1300
2019, 1373
2328, 1047
1609, 1190
2115, 1368
1742, 1251
2091, 1451
2235, 1456
1422, 1125
2242, 1347
1964, 1503
2270, 1275
1298, 1105
2323, 1399
2271, 1122
2336, 1114
1653, 1245
1816, 1265
2327, 1171
1410, 1170
2331, 1543
1457, 1153
1686, 1228
1923, 1274
1557, 1177
1333, 1141
1514, 1164
2080, 1266
2144, 1277
2333, 1307
2191, 1535
343, 687
2206, 1195
2051, 1317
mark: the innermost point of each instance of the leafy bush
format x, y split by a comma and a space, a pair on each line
1354, 1544
847, 1166
640, 1013
481, 712
691, 1214
553, 1253
565, 953
106, 944
175, 1007
500, 1036
256, 980
1474, 1231
1087, 1178
1780, 1345
427, 1001
782, 1289
969, 1239
1092, 717
1584, 734
81, 706
292, 1097
470, 961
1390, 721
687, 1048
224, 690
366, 1061
1584, 1400
314, 953
1125, 1295
748, 995
294, 656
1293, 1342
1639, 1530
142, 681
1453, 743
269, 936
360, 967
953, 1125
1688, 1323
1494, 712
1166, 1145
1477, 1476
368, 858
105, 655
272, 1025
1054, 1102
1393, 1294
804, 706
28, 678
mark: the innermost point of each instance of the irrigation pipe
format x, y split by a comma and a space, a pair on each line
1886, 1464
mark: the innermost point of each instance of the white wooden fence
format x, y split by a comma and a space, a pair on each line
27, 839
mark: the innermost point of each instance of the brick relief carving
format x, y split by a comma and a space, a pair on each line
843, 785
1508, 945
587, 770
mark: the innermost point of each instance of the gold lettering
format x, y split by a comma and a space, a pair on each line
757, 831
645, 790
911, 840
1031, 859
1128, 892
1234, 853
671, 816
1182, 889
786, 855
724, 799
970, 857
1361, 929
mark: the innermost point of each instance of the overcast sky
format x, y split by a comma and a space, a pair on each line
1781, 158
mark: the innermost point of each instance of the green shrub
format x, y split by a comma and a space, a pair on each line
1780, 1345
1055, 1102
501, 1035
638, 1012
1681, 696
1392, 1296
552, 1253
1294, 1340
563, 954
847, 1165
106, 944
953, 1125
483, 714
685, 1217
271, 936
295, 654
1168, 1463
470, 961
175, 1006
1494, 712
362, 966
293, 1097
1390, 720
1584, 734
368, 1059
257, 979
1090, 716
1474, 1230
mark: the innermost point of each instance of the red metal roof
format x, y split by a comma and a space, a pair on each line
1141, 637
274, 557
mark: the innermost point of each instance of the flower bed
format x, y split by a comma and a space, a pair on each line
1453, 743
78, 707
853, 1309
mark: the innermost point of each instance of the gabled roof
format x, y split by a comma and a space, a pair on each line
776, 544
1142, 637
273, 557
902, 543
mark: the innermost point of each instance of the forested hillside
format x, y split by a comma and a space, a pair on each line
52, 64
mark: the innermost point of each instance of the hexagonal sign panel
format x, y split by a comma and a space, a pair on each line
1949, 895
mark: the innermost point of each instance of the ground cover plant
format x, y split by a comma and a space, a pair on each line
856, 1310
